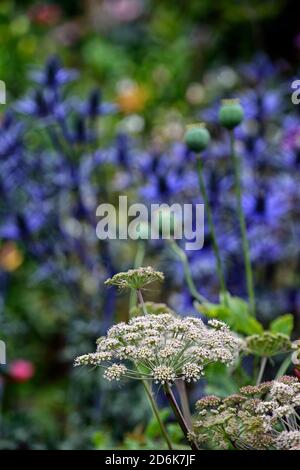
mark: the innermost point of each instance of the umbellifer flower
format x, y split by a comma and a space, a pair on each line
163, 348
288, 440
135, 278
269, 421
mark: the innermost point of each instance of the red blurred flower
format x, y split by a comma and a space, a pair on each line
21, 370
297, 373
45, 14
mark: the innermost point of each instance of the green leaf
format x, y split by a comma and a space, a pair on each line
100, 440
219, 380
175, 432
153, 429
211, 310
234, 311
283, 324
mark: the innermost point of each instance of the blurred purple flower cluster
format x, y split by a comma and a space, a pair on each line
53, 175
269, 145
49, 155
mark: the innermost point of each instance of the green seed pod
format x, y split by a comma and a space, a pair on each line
231, 114
197, 137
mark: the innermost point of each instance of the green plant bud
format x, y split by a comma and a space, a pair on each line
268, 344
231, 114
197, 137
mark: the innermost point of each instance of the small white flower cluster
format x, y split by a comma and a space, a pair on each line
286, 394
93, 359
163, 374
296, 353
262, 417
281, 408
217, 324
115, 372
191, 372
288, 440
163, 348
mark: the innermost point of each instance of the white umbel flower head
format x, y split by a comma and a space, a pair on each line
288, 440
163, 348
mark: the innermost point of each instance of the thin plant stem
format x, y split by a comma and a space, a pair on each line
242, 223
284, 366
138, 261
181, 388
211, 225
141, 300
179, 416
149, 391
187, 271
157, 415
263, 364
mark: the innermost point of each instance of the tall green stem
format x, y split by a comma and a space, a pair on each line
157, 415
211, 225
187, 271
141, 300
242, 222
284, 366
149, 391
138, 261
261, 370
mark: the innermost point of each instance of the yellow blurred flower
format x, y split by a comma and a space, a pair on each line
10, 257
132, 98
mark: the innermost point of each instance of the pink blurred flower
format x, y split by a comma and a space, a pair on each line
21, 370
123, 10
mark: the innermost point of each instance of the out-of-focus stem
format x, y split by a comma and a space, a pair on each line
149, 392
157, 415
181, 388
141, 300
263, 364
284, 366
187, 271
179, 416
211, 225
138, 261
242, 222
